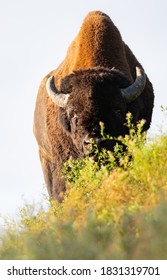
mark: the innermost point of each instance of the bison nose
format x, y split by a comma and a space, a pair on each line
108, 144
87, 144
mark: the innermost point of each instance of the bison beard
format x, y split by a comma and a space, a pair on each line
100, 80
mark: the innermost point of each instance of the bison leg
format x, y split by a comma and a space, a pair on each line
55, 184
47, 173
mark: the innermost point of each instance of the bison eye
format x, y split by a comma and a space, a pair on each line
74, 120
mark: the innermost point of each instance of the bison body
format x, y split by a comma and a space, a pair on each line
96, 82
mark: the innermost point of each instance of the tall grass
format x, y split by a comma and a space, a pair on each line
114, 208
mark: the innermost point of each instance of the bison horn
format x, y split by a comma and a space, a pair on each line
133, 91
60, 99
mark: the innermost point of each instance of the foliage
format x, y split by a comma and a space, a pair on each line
114, 208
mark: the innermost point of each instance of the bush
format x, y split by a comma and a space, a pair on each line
114, 208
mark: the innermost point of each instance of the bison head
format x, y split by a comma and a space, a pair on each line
88, 97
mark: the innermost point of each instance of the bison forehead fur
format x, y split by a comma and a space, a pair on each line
97, 82
92, 76
94, 97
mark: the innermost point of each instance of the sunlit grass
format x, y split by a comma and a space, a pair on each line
113, 209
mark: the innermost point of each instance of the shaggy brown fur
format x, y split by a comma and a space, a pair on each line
98, 45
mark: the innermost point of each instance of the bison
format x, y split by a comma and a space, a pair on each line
100, 80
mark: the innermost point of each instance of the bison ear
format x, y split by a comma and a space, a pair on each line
133, 91
59, 98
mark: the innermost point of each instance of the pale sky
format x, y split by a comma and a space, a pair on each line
34, 37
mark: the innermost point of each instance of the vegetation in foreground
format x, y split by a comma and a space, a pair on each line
110, 211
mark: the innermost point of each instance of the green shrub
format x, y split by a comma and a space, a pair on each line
113, 208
